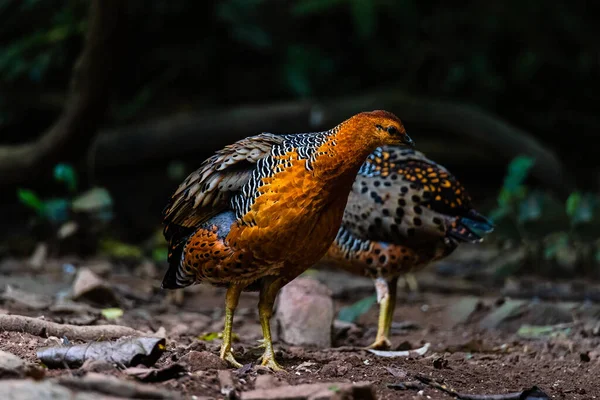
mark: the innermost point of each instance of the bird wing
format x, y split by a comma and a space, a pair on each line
207, 191
401, 196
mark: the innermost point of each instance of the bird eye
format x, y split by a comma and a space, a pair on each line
392, 130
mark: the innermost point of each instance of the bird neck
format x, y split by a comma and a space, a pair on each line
344, 152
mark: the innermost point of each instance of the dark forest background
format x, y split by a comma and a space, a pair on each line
129, 97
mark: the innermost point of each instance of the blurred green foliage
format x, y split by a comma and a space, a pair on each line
42, 49
581, 207
120, 250
95, 204
556, 236
112, 313
352, 312
513, 191
66, 174
519, 202
533, 63
208, 54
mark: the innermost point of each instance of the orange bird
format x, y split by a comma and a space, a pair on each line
262, 210
404, 211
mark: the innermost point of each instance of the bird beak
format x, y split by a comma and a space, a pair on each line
408, 141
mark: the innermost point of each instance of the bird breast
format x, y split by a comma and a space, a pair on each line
293, 218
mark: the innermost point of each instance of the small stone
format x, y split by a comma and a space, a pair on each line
90, 287
161, 332
321, 391
440, 363
202, 360
26, 300
268, 382
23, 389
98, 366
304, 313
38, 257
179, 330
334, 369
147, 269
227, 385
12, 366
100, 267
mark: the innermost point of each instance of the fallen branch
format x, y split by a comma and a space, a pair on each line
202, 133
43, 328
109, 385
88, 98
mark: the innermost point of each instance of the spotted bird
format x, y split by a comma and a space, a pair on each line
403, 212
262, 210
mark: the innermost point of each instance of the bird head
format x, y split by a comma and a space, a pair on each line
384, 127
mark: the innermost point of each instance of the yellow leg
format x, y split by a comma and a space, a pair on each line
386, 295
268, 293
231, 301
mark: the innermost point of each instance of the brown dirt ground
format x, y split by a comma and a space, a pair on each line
464, 357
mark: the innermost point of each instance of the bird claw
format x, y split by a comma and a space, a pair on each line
268, 360
261, 345
382, 343
227, 355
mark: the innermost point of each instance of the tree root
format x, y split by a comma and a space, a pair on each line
42, 328
480, 133
88, 98
109, 385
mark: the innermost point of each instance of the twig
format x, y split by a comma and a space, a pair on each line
403, 353
533, 393
40, 327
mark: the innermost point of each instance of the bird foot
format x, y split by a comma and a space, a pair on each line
227, 355
382, 343
268, 360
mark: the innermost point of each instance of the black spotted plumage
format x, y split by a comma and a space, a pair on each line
423, 203
403, 212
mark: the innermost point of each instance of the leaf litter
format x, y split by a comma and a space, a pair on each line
123, 352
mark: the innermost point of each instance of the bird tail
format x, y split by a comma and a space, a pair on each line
471, 228
177, 237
